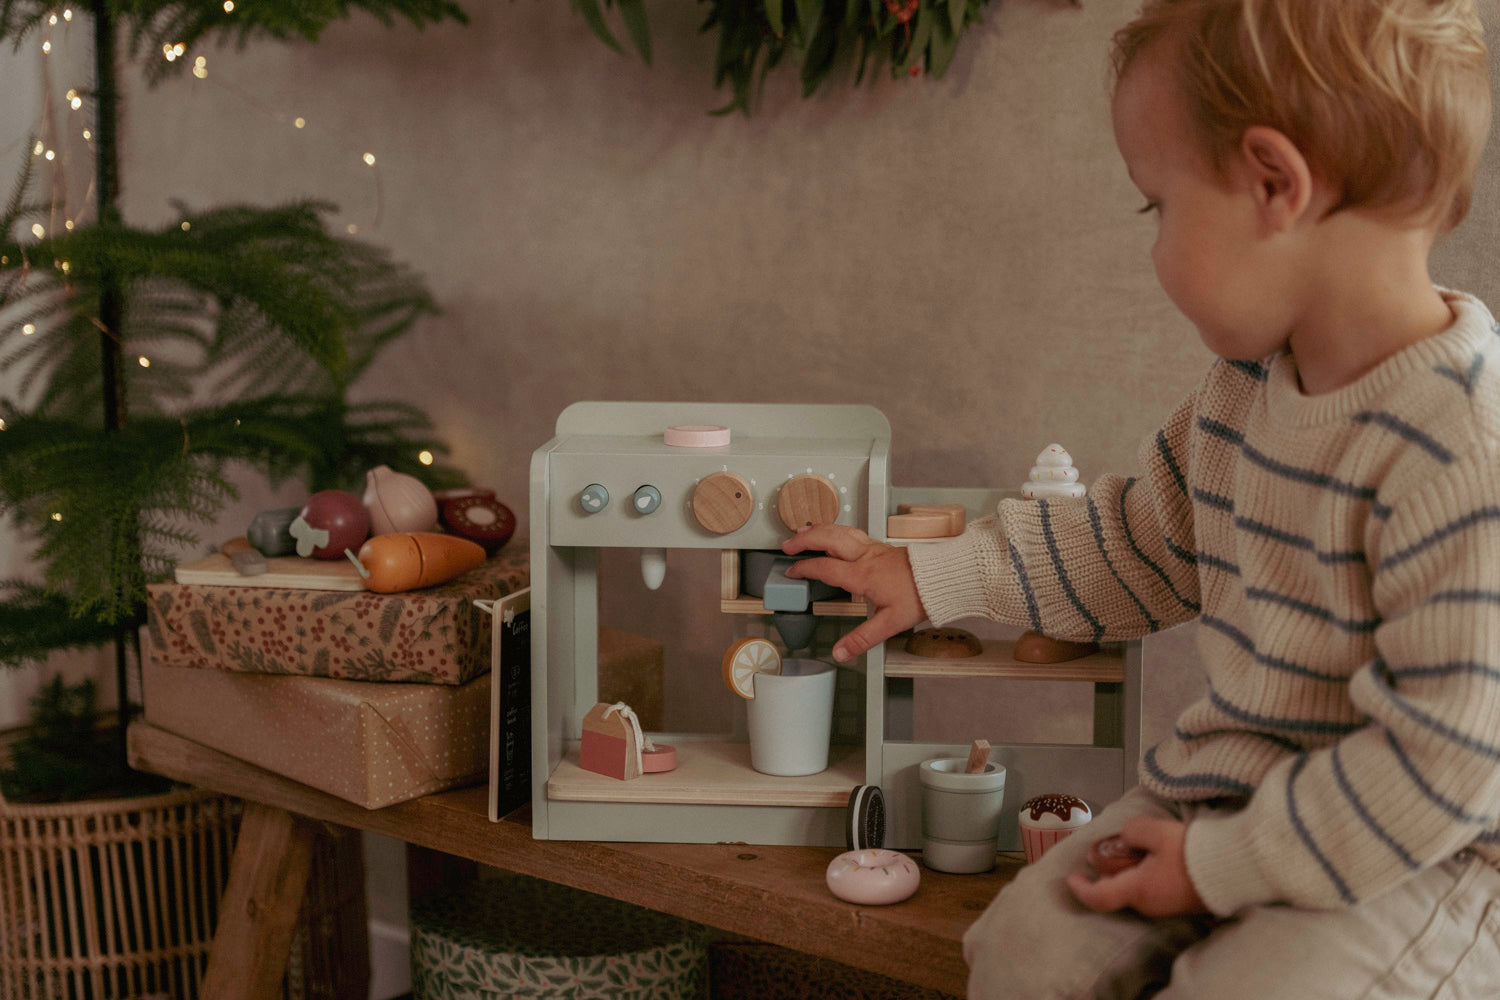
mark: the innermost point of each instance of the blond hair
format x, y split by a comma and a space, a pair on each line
1389, 100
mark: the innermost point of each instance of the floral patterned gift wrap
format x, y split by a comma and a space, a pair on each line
431, 636
515, 936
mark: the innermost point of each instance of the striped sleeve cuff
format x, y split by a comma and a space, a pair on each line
948, 579
1223, 863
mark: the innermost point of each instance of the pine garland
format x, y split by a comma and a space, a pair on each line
913, 36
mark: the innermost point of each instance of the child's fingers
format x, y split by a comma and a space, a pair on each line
833, 572
1148, 833
838, 540
1107, 894
866, 635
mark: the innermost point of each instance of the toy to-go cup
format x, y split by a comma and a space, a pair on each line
791, 718
1047, 819
960, 814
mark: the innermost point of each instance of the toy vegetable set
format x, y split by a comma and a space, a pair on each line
353, 662
739, 479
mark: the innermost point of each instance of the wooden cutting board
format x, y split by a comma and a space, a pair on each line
293, 572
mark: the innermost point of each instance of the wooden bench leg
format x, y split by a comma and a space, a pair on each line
267, 880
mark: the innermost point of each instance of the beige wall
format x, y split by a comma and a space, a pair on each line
963, 253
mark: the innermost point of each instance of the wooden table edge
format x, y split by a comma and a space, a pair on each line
774, 894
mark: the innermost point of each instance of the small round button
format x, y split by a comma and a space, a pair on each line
593, 499
646, 500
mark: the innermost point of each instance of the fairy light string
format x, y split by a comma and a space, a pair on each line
55, 143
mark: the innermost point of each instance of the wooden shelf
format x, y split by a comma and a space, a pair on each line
755, 606
776, 894
997, 660
713, 773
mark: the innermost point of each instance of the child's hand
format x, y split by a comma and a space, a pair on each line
1157, 886
866, 568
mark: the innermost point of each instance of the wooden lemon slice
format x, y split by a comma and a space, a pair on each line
747, 658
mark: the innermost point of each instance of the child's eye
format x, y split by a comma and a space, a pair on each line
1149, 207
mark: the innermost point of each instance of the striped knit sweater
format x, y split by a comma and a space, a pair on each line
1342, 553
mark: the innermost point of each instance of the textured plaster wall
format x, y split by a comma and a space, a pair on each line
962, 253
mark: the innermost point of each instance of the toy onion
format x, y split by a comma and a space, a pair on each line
398, 502
414, 559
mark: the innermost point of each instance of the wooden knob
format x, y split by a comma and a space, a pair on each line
723, 502
807, 500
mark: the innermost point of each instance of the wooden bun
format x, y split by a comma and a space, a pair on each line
1033, 647
943, 643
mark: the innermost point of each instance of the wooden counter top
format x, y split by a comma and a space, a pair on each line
775, 894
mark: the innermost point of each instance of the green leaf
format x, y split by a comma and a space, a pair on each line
809, 14
595, 19
940, 51
818, 60
956, 9
633, 12
917, 50
773, 17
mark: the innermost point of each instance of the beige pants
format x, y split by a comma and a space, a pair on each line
1436, 935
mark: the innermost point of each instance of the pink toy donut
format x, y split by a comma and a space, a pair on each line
873, 877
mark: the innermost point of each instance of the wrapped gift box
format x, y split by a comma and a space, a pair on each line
432, 636
370, 743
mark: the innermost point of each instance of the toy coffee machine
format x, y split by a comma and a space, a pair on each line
740, 479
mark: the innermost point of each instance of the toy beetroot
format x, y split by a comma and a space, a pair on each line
331, 521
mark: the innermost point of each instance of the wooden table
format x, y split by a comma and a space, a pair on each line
775, 894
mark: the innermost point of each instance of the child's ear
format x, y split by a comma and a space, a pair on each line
1281, 178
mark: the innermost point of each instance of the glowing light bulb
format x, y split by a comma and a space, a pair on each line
2, 423
75, 102
38, 149
300, 122
46, 47
178, 49
351, 229
28, 329
87, 135
370, 159
186, 225
52, 19
200, 68
68, 225
57, 515
38, 230
144, 361
51, 154
68, 14
424, 456
229, 6
65, 267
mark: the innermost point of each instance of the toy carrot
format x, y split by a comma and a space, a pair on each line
408, 560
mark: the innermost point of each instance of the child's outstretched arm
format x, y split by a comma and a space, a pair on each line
875, 571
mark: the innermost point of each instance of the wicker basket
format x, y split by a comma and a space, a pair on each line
119, 898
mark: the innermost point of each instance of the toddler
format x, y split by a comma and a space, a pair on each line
1325, 820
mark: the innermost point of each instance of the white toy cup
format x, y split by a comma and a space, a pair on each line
791, 718
960, 814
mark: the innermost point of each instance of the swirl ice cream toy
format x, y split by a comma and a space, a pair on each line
1053, 477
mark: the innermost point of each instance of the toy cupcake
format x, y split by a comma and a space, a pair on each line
1047, 819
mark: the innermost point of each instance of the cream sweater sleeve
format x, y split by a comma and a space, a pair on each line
1421, 779
1117, 564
